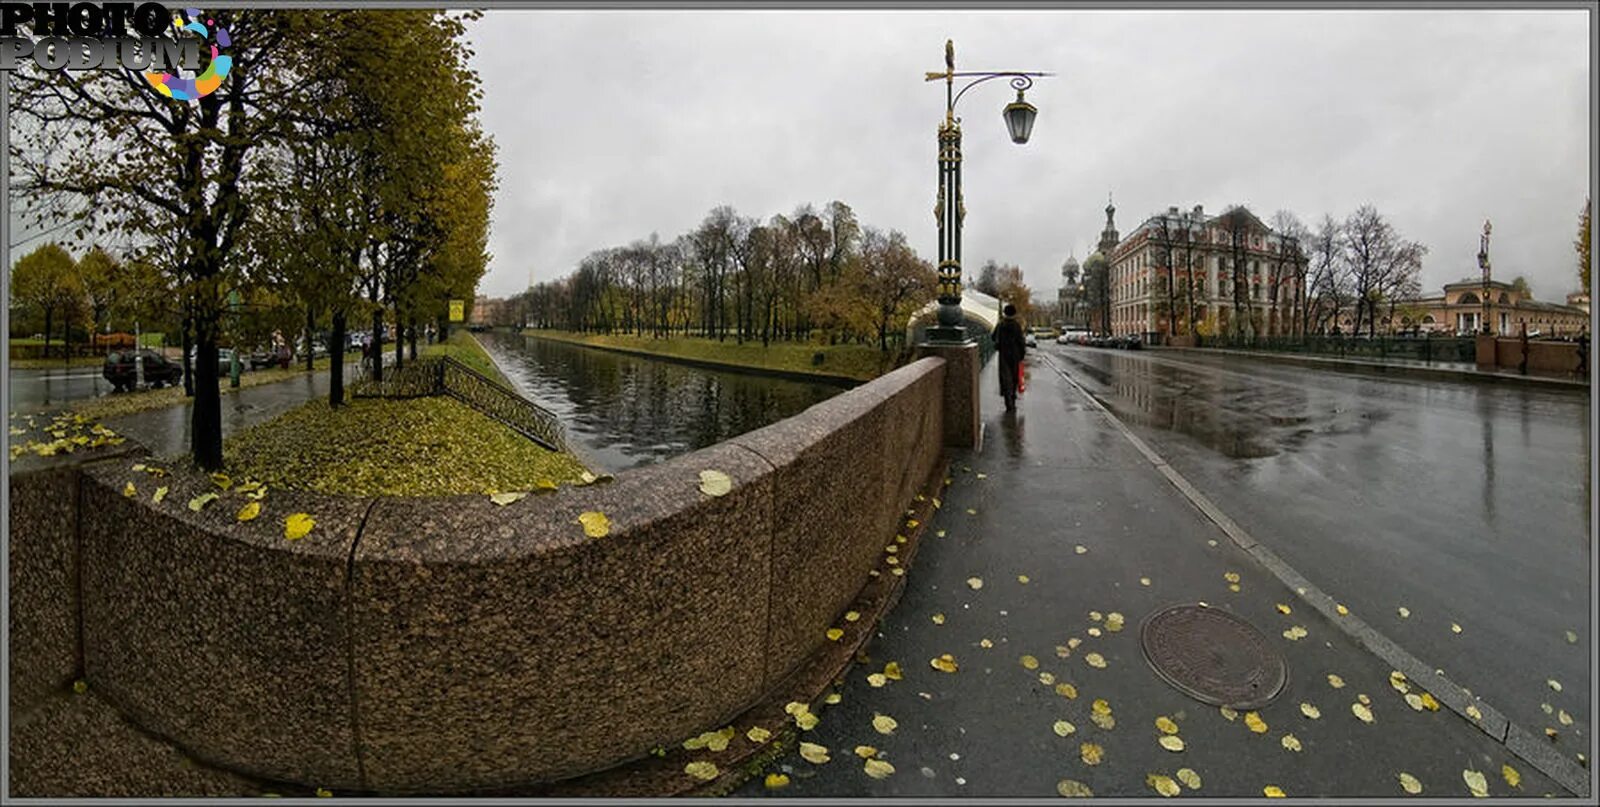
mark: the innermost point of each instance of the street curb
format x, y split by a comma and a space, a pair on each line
1517, 740
1356, 366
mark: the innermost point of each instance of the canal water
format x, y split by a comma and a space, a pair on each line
621, 411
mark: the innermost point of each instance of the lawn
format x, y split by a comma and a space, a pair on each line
381, 447
860, 362
463, 347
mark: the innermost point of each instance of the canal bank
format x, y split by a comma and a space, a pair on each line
846, 365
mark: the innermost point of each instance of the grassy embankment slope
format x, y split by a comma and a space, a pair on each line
851, 362
432, 446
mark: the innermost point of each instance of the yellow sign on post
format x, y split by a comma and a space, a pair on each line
458, 310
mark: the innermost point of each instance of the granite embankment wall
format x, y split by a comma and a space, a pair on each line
438, 645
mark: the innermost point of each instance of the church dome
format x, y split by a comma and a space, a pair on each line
1095, 262
1070, 267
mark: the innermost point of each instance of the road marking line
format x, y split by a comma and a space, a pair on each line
1518, 741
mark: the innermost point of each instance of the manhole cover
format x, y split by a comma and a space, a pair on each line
1213, 656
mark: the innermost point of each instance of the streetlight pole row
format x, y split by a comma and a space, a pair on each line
950, 208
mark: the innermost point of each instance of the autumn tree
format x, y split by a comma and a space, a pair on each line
895, 280
1581, 246
184, 167
46, 279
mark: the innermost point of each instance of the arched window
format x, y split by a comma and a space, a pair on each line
1427, 320
1468, 299
1505, 299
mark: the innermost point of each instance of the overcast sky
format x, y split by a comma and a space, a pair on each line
615, 124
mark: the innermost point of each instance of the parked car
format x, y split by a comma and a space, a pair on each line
1030, 340
1072, 337
122, 371
224, 359
270, 357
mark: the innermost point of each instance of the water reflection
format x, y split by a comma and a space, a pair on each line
622, 411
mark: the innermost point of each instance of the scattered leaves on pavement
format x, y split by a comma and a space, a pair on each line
199, 502
1410, 784
295, 525
1476, 782
877, 768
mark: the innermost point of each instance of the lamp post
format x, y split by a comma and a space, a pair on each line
950, 209
1483, 265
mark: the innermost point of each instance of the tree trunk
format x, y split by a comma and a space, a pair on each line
399, 341
336, 361
311, 324
205, 423
49, 313
412, 332
188, 362
375, 349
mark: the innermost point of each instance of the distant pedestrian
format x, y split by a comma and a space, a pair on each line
1583, 354
1011, 345
1522, 367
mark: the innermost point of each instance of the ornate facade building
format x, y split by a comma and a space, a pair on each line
1071, 302
1459, 310
1201, 252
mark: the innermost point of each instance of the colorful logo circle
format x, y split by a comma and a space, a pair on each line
189, 89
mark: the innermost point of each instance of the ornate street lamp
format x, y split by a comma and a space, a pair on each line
950, 208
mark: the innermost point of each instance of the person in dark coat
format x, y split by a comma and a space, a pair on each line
1011, 346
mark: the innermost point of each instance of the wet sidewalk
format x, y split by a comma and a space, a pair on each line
1053, 545
166, 431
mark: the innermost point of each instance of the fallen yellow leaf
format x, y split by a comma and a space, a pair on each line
595, 524
985, 643
1409, 784
1095, 660
1228, 714
758, 735
1414, 701
938, 619
1067, 690
866, 751
1144, 581
1072, 789
249, 511
1405, 613
776, 781
1360, 710
806, 721
796, 707
834, 634
1254, 721
833, 697
1511, 775
1429, 702
1454, 628
877, 680
1231, 577
1114, 622
1283, 609
1171, 742
1343, 611
1100, 706
1104, 720
1564, 718
1030, 662
715, 483
944, 663
1189, 778
1335, 681
1472, 712
1554, 684
129, 491
1272, 792
1166, 725
1162, 784
878, 769
704, 771
295, 526
975, 583
1476, 782
199, 502
1310, 711
1291, 742
884, 724
1048, 679
851, 616
892, 671
222, 481
1091, 753
1080, 549
1022, 578
1062, 728
161, 493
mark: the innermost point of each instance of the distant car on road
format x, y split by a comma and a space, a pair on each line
1072, 336
1030, 340
121, 370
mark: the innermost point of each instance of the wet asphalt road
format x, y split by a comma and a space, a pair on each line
36, 390
1464, 503
1058, 496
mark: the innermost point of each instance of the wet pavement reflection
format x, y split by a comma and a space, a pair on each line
1466, 504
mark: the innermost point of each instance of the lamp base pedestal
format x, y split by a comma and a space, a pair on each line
961, 368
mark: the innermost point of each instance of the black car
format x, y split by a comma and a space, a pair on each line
123, 374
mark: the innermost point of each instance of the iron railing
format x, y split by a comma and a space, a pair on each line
1448, 349
443, 375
